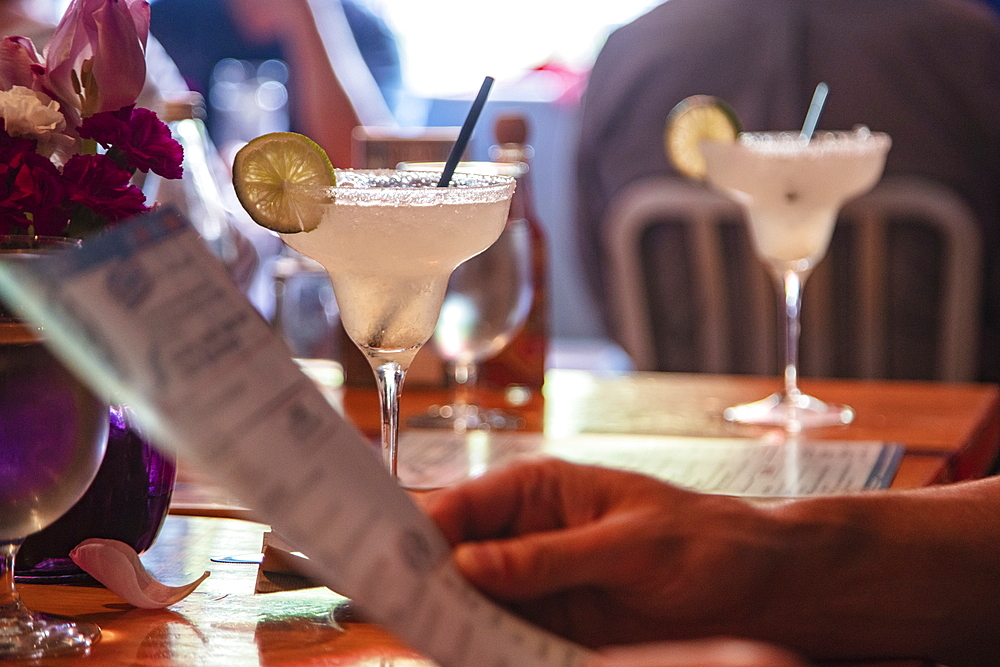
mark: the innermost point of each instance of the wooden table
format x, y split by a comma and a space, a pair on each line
222, 623
951, 432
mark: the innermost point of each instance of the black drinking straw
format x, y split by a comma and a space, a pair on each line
465, 133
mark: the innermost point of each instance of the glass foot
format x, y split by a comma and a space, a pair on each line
27, 635
793, 413
463, 418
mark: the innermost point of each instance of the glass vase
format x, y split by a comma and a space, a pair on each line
127, 501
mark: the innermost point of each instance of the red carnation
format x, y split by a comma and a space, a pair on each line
31, 193
11, 146
97, 182
142, 139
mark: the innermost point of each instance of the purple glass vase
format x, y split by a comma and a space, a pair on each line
127, 501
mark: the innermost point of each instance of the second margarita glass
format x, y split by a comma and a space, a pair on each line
792, 189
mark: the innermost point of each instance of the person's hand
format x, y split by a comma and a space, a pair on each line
612, 558
607, 557
263, 21
716, 652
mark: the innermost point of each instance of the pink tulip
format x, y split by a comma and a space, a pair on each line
104, 43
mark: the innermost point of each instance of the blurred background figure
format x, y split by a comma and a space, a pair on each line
319, 67
924, 71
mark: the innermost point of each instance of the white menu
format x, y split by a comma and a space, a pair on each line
146, 313
765, 467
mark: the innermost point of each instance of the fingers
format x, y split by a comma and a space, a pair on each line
535, 495
523, 496
545, 526
716, 652
540, 563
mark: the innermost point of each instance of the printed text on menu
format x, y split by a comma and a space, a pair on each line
148, 314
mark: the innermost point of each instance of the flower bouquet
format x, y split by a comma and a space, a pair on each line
71, 137
71, 140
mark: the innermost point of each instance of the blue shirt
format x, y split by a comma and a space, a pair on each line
197, 34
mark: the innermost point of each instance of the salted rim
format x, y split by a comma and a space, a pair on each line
392, 187
854, 142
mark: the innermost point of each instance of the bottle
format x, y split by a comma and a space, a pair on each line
519, 369
197, 194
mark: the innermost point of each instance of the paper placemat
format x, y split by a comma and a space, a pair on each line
752, 467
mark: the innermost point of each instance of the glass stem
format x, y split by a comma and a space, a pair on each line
389, 377
792, 283
465, 373
9, 599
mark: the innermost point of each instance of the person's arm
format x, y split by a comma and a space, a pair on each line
322, 106
606, 557
333, 91
344, 55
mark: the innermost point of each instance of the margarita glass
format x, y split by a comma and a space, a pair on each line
792, 189
390, 240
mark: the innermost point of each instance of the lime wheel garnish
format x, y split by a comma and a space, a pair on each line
696, 119
265, 168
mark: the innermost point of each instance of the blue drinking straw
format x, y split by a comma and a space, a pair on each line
815, 107
465, 133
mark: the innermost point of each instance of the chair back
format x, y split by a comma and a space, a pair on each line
896, 297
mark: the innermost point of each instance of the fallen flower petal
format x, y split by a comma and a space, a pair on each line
117, 566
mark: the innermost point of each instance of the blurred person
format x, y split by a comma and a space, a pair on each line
616, 559
343, 60
924, 71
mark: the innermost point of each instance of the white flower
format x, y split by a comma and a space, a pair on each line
27, 113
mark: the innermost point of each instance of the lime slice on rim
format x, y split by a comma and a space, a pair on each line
263, 170
695, 119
